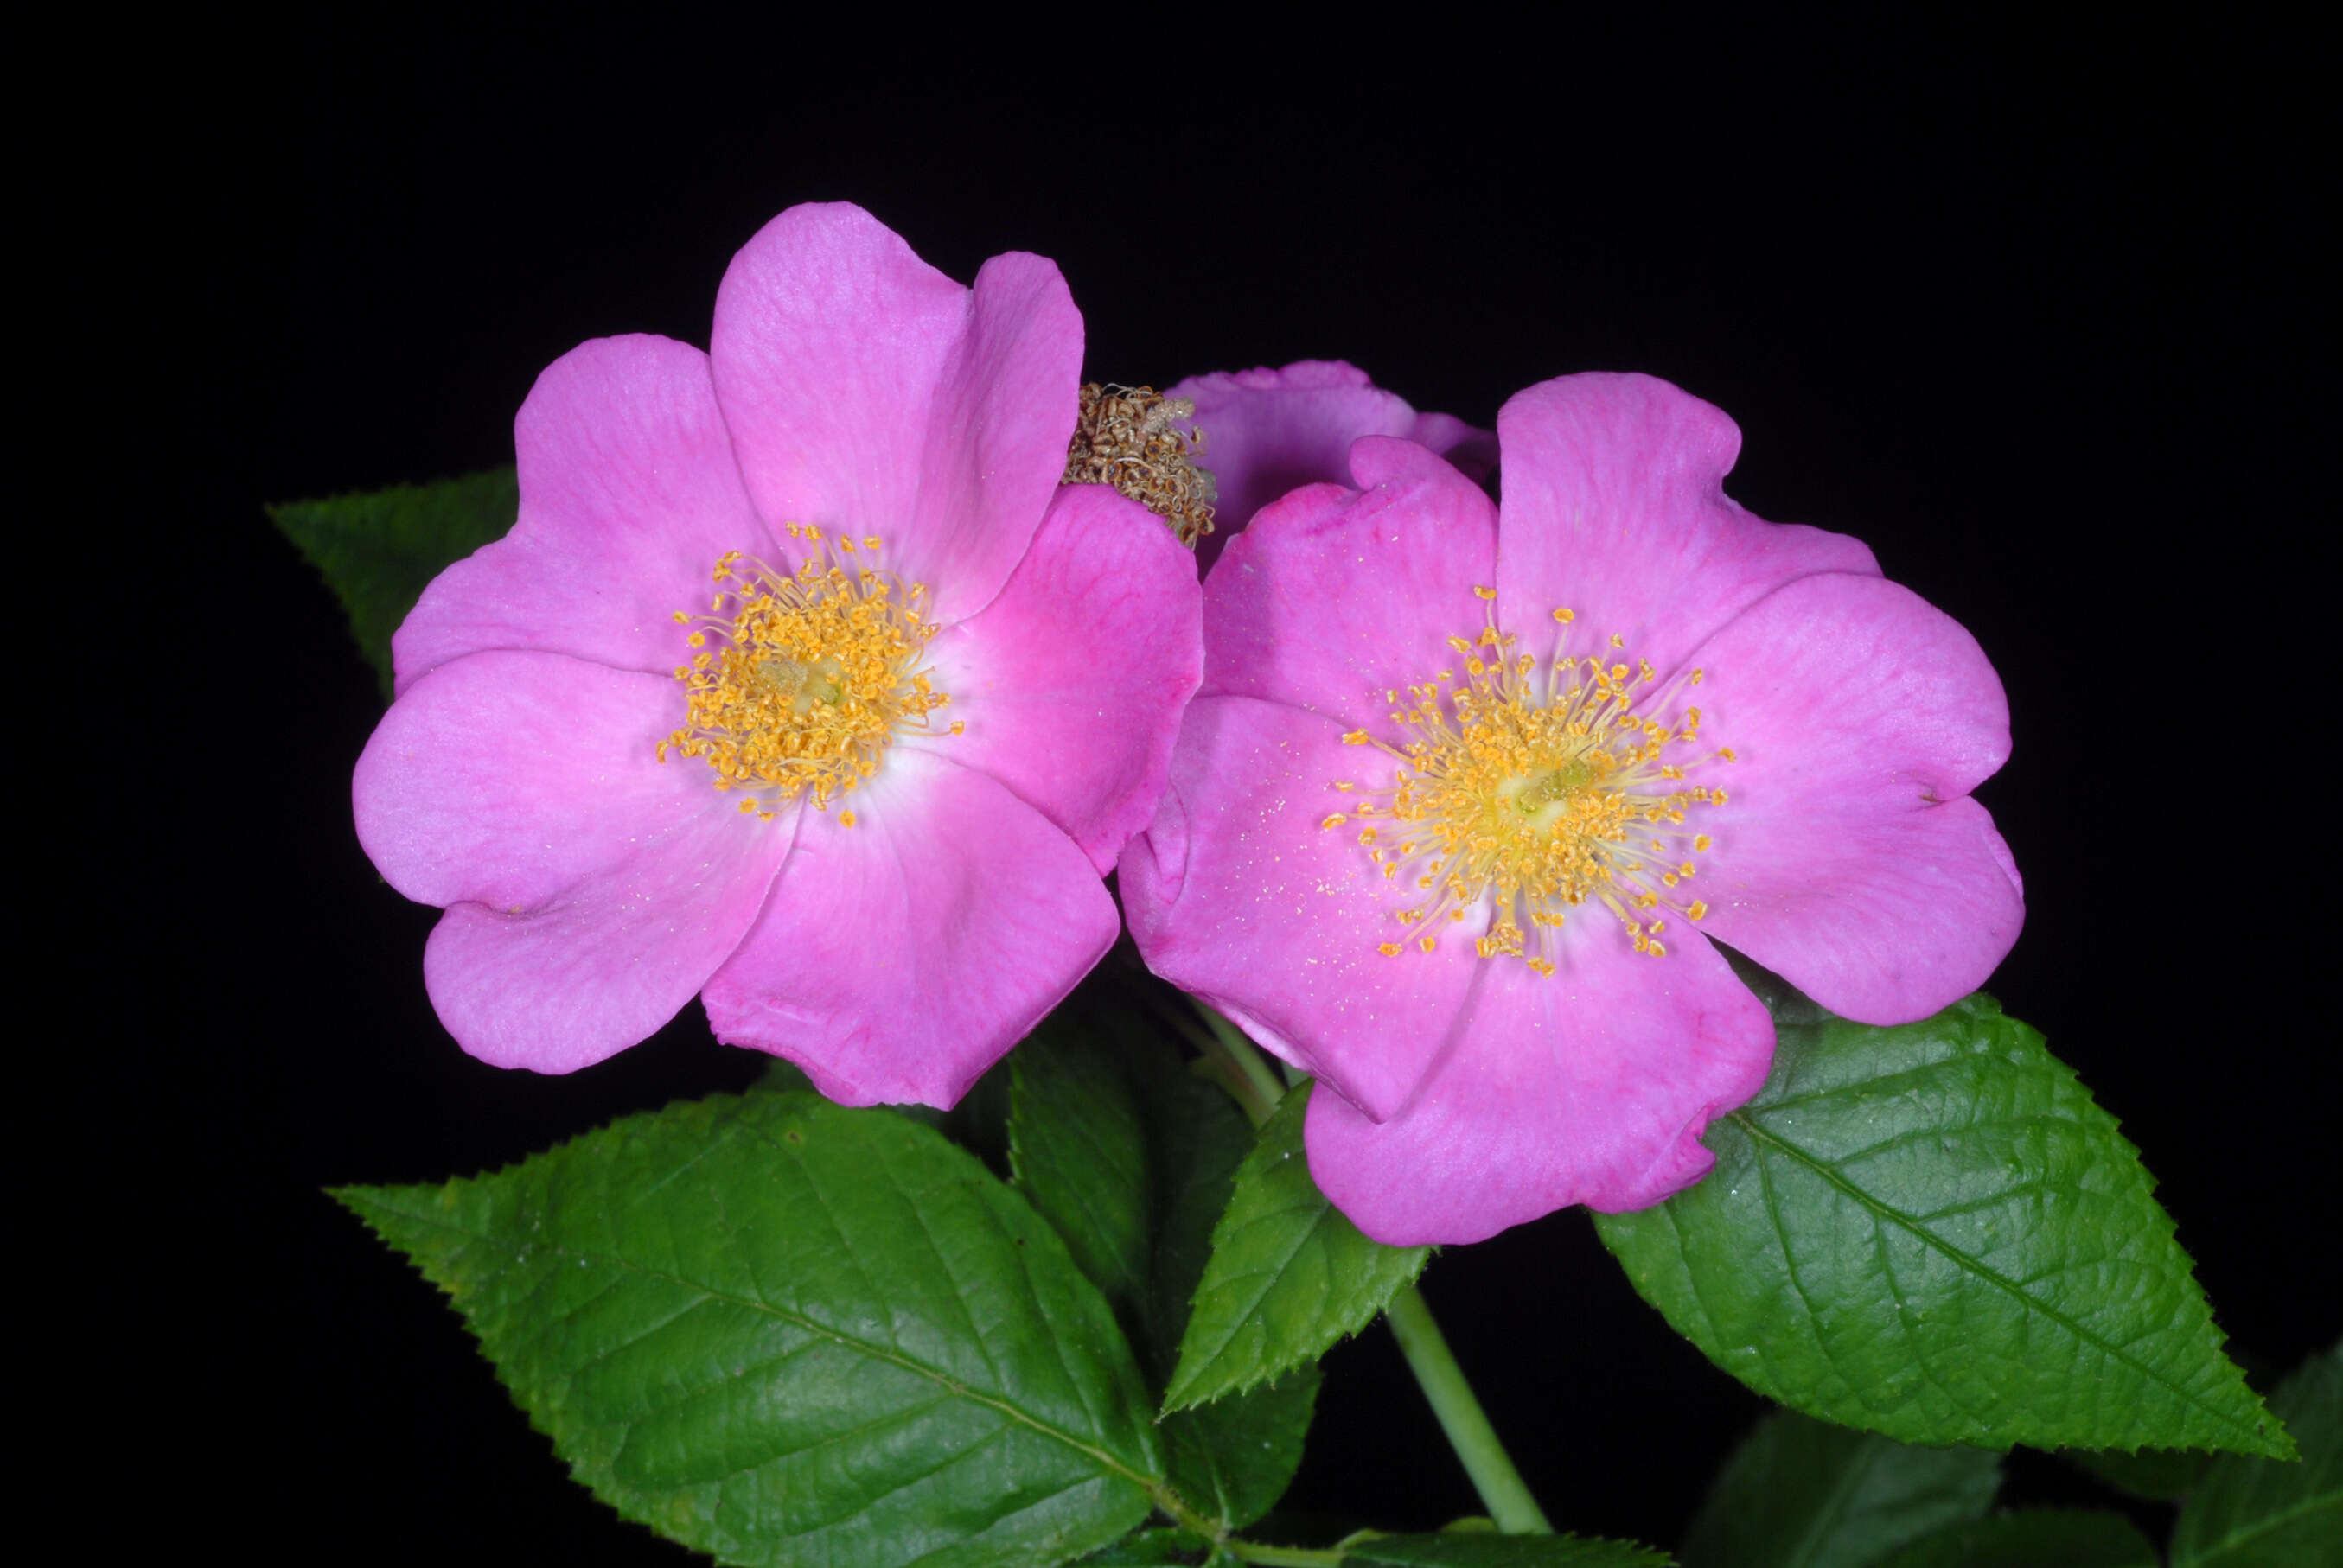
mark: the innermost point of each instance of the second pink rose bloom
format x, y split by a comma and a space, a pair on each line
1465, 791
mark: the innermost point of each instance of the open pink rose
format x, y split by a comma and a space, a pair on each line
1268, 431
799, 683
1465, 793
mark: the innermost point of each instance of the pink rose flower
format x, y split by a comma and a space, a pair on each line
1466, 791
1268, 431
799, 683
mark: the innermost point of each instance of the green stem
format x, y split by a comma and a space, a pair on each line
1284, 1556
1177, 1507
1462, 1418
1247, 1074
1466, 1424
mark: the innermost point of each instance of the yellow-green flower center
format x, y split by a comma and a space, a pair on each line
800, 681
1533, 790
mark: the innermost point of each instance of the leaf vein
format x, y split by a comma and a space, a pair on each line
1883, 1212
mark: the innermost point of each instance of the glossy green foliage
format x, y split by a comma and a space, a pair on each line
2033, 1538
1288, 1274
1477, 1549
2263, 1514
1801, 1493
378, 549
782, 1331
1932, 1232
1079, 1148
1132, 1159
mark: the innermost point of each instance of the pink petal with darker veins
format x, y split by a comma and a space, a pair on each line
591, 891
1239, 894
1267, 432
629, 494
1614, 507
1592, 1086
869, 394
1335, 598
1073, 681
1848, 859
897, 958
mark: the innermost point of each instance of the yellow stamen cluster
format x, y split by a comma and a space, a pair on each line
1537, 788
800, 681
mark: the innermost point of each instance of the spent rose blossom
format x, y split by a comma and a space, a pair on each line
799, 683
1466, 790
1268, 431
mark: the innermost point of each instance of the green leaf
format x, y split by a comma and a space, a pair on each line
2265, 1514
1932, 1232
1232, 1459
1476, 1549
2035, 1538
1800, 1493
1150, 1547
378, 549
783, 1332
1288, 1274
2159, 1474
1235, 1456
1203, 1139
782, 1076
1079, 1149
1132, 1160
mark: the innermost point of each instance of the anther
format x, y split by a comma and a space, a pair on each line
807, 684
1528, 801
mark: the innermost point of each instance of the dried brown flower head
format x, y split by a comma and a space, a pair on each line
1128, 436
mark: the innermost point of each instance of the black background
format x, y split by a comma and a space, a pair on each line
2032, 314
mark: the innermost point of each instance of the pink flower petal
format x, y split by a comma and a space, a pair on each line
590, 889
1073, 681
1848, 860
869, 394
629, 493
1614, 507
1590, 1087
1334, 598
1470, 450
897, 958
1238, 894
1269, 431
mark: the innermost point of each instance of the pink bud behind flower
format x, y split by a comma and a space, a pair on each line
1267, 432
